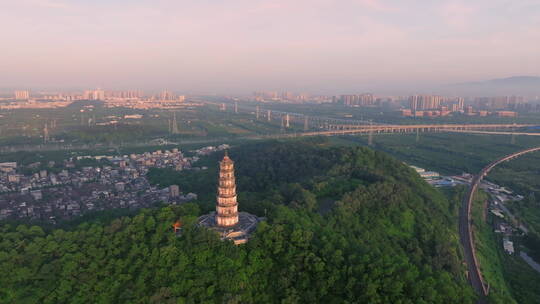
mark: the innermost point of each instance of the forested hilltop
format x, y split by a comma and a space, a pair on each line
344, 225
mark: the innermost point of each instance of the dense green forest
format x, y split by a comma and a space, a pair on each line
446, 153
344, 225
521, 175
456, 153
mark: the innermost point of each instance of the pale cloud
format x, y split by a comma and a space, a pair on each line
377, 5
52, 4
247, 44
458, 15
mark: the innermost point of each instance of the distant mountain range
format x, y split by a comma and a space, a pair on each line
515, 85
514, 80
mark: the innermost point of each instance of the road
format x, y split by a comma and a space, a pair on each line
513, 217
467, 241
494, 132
529, 261
465, 226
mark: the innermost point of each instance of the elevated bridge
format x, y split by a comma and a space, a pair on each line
379, 129
387, 128
321, 125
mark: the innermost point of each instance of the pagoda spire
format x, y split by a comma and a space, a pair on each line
227, 205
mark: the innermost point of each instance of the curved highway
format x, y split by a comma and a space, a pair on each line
465, 229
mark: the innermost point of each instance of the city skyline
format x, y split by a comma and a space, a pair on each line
236, 46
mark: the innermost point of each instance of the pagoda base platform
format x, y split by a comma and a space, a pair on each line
239, 234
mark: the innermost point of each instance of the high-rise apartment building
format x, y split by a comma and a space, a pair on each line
413, 103
22, 95
357, 100
424, 102
94, 94
124, 94
461, 103
166, 95
500, 102
262, 96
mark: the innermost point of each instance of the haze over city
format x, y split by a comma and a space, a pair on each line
270, 151
316, 46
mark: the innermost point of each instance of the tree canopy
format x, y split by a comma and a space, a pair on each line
344, 225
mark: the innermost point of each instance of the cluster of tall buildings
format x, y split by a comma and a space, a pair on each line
501, 102
357, 100
94, 95
283, 96
434, 102
454, 104
433, 105
21, 99
430, 105
124, 94
103, 95
166, 95
100, 94
22, 95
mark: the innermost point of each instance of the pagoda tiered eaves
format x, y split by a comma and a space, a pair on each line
227, 205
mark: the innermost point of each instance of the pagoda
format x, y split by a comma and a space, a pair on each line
226, 220
227, 205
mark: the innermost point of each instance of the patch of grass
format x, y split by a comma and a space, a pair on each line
489, 254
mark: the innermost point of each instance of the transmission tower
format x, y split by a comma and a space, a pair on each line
174, 125
45, 133
370, 137
513, 139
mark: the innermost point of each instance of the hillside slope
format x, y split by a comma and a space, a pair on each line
345, 225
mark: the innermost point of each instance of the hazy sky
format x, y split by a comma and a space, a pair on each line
244, 45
